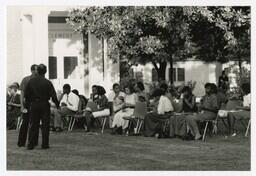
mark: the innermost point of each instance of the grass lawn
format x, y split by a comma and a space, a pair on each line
80, 151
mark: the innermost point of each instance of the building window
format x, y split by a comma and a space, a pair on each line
52, 62
181, 74
70, 64
178, 74
57, 19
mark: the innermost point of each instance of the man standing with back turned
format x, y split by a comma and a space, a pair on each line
37, 95
25, 110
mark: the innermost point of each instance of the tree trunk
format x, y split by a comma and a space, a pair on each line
86, 63
160, 70
171, 70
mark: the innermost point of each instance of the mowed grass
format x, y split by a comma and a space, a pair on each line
78, 150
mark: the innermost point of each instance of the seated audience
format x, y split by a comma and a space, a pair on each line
153, 122
68, 106
101, 110
13, 107
243, 112
208, 110
126, 110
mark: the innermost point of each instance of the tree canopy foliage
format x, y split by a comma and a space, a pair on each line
162, 34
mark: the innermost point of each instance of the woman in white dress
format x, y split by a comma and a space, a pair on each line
126, 110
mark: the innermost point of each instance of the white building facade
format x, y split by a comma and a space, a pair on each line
39, 34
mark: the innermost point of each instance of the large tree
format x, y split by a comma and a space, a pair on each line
221, 33
159, 35
138, 34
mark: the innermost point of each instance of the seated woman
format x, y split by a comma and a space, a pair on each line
101, 111
126, 110
153, 122
208, 107
116, 99
243, 112
13, 107
178, 125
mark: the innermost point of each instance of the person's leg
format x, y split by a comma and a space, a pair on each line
22, 138
34, 125
150, 124
193, 126
64, 111
231, 123
88, 119
45, 125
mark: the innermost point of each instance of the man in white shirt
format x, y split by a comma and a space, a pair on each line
243, 112
68, 106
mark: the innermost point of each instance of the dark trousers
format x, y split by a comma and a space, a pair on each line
39, 110
89, 120
23, 131
154, 123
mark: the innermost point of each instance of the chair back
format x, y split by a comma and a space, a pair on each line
140, 110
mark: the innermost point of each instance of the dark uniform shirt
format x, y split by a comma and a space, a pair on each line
24, 82
40, 89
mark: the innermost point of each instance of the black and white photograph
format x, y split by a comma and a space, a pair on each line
127, 88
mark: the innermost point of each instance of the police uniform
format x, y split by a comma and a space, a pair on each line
37, 95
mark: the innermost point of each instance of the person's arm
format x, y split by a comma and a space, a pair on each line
27, 95
22, 107
246, 108
54, 96
192, 104
16, 102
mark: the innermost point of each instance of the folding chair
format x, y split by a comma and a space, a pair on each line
103, 122
138, 116
214, 130
73, 119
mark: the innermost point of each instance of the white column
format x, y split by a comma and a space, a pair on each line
95, 61
41, 36
27, 42
112, 72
